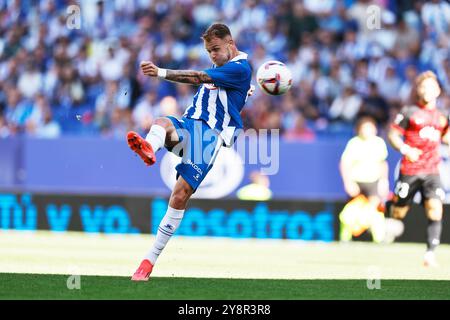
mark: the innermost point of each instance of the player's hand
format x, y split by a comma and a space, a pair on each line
149, 68
412, 154
352, 189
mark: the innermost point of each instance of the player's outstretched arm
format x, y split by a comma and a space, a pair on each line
183, 76
188, 76
395, 138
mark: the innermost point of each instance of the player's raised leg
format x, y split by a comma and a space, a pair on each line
162, 133
167, 227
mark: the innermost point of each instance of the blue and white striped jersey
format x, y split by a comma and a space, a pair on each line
219, 104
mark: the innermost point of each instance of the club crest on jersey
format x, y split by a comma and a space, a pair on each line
210, 86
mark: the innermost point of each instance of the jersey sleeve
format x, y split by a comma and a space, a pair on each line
230, 75
401, 121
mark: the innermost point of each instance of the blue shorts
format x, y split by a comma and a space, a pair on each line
198, 147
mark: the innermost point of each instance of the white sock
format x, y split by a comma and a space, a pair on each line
166, 229
156, 137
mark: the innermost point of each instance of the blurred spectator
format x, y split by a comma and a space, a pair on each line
119, 124
364, 171
386, 35
408, 39
38, 111
257, 190
358, 12
375, 105
168, 106
435, 15
205, 13
111, 69
389, 85
300, 21
184, 96
346, 107
352, 48
361, 77
46, 128
272, 37
17, 110
326, 44
30, 81
300, 130
444, 74
106, 103
4, 130
407, 85
144, 112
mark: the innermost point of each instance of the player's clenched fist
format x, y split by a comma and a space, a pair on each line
149, 68
412, 154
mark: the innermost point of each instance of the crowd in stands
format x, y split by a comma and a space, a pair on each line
347, 57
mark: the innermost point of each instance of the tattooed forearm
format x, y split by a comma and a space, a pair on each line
188, 76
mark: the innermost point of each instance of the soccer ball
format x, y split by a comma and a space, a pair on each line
274, 78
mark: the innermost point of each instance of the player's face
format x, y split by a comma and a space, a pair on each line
429, 90
367, 130
219, 50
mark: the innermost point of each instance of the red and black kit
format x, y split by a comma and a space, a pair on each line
422, 129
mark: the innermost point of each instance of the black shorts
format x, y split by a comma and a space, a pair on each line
369, 189
406, 187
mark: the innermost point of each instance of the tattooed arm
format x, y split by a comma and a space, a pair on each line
183, 76
188, 76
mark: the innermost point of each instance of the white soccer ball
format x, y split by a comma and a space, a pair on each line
274, 78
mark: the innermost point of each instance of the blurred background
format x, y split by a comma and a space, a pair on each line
68, 95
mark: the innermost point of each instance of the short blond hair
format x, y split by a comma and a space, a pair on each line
415, 97
425, 75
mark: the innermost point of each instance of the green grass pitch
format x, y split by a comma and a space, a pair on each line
54, 287
38, 265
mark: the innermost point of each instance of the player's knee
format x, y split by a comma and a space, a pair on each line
435, 216
178, 201
163, 122
180, 197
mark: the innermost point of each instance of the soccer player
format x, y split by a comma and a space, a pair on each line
211, 121
417, 133
364, 171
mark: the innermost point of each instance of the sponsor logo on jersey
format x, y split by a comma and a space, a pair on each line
430, 133
193, 165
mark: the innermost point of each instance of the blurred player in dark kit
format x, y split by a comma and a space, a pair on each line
417, 133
